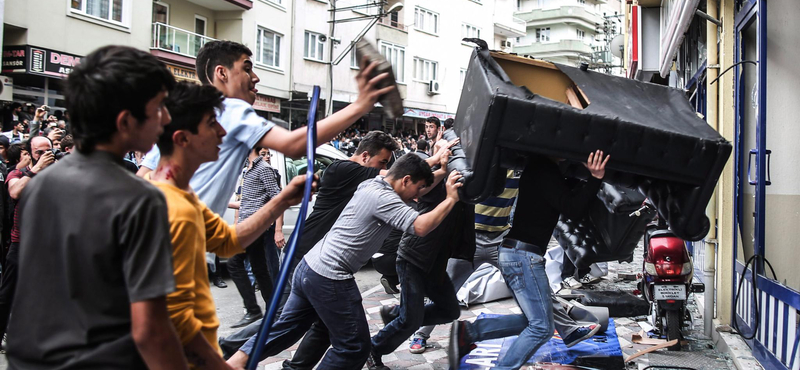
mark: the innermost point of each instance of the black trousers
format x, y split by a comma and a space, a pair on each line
263, 254
386, 265
568, 269
8, 285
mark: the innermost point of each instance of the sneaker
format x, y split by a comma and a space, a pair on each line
418, 344
387, 314
218, 282
388, 287
460, 345
589, 279
374, 362
581, 334
571, 283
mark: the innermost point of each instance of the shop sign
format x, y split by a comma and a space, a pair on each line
267, 103
183, 74
14, 60
423, 114
40, 61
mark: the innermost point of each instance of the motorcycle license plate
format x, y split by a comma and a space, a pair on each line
664, 292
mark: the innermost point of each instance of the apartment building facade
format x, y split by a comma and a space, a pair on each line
570, 31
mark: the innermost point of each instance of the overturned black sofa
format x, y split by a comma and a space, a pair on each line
512, 106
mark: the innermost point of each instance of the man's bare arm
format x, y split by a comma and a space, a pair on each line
154, 335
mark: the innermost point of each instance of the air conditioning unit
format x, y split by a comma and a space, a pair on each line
433, 87
6, 88
505, 44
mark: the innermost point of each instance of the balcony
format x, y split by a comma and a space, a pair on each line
549, 50
565, 14
224, 5
181, 46
509, 26
385, 21
392, 31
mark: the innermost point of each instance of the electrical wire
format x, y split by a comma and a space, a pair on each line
311, 146
729, 68
754, 285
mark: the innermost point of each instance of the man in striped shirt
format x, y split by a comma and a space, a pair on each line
259, 185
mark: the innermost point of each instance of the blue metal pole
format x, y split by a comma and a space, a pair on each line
311, 146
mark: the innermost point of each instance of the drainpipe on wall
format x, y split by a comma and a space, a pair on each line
712, 99
291, 58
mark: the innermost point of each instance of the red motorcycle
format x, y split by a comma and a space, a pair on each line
667, 279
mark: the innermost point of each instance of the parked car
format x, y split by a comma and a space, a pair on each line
288, 169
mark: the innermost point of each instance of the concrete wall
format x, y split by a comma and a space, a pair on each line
307, 73
783, 196
52, 25
275, 18
445, 48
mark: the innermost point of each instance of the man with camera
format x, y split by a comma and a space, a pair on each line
42, 156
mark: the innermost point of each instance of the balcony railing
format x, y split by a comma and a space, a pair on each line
393, 24
178, 41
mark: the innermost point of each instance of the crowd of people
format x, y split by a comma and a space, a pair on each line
117, 274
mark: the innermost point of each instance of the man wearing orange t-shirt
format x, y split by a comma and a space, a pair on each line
192, 138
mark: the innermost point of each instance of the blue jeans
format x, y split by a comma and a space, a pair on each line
525, 275
415, 284
337, 303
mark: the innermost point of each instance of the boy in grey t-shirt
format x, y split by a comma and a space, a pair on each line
324, 288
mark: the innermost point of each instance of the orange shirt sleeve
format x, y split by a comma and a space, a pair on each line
220, 236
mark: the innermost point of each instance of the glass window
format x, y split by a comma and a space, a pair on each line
425, 70
314, 47
543, 34
268, 48
426, 20
470, 31
396, 55
296, 167
110, 10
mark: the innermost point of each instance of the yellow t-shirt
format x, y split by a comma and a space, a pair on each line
195, 229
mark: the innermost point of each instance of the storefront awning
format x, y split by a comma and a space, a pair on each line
423, 114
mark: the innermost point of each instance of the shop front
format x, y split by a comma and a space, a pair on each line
414, 119
38, 74
269, 107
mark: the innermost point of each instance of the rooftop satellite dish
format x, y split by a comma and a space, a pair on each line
616, 45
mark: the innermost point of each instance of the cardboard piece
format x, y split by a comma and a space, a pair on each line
651, 349
642, 338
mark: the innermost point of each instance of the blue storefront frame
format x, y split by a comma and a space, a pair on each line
776, 342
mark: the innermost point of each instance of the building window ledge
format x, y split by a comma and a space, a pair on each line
99, 21
270, 68
274, 5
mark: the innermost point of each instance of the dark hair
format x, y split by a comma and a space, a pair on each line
187, 104
15, 105
108, 81
434, 120
422, 145
375, 141
67, 142
414, 166
14, 153
448, 123
218, 53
